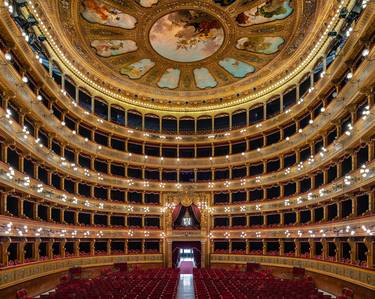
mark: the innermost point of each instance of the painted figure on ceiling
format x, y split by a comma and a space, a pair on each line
96, 12
107, 48
268, 11
262, 45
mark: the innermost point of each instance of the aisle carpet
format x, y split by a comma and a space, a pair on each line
186, 267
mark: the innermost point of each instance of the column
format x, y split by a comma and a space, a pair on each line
109, 247
92, 247
338, 249
4, 251
282, 218
3, 203
62, 248
76, 247
371, 201
354, 206
205, 255
281, 247
325, 176
297, 251
339, 210
21, 251
312, 215
49, 249
35, 249
298, 217
49, 213
371, 150
354, 161
324, 249
370, 252
353, 250
35, 211
62, 213
312, 248
264, 248
20, 207
76, 221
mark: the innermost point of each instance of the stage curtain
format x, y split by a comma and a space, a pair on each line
196, 212
176, 212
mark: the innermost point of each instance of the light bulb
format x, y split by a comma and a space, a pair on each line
8, 56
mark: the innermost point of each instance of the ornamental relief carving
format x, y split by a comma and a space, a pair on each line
186, 199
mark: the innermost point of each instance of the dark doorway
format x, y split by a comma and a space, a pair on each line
186, 250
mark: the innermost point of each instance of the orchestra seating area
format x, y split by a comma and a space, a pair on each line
218, 283
152, 283
143, 141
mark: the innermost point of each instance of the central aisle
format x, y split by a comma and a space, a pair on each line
186, 267
185, 287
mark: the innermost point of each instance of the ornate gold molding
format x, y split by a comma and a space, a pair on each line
16, 275
356, 275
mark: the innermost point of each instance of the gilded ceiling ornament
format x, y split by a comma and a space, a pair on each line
187, 52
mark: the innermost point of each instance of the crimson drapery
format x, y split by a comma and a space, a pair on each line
196, 212
176, 212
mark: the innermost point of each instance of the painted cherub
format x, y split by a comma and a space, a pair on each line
271, 8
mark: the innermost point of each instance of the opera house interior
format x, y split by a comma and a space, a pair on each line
219, 149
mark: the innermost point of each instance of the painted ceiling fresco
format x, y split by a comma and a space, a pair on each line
99, 13
186, 35
189, 46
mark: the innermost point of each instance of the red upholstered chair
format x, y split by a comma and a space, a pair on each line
298, 271
122, 267
347, 293
22, 294
75, 273
251, 267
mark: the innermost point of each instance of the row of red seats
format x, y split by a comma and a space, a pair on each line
137, 284
223, 284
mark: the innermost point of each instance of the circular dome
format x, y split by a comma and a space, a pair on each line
186, 35
186, 55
